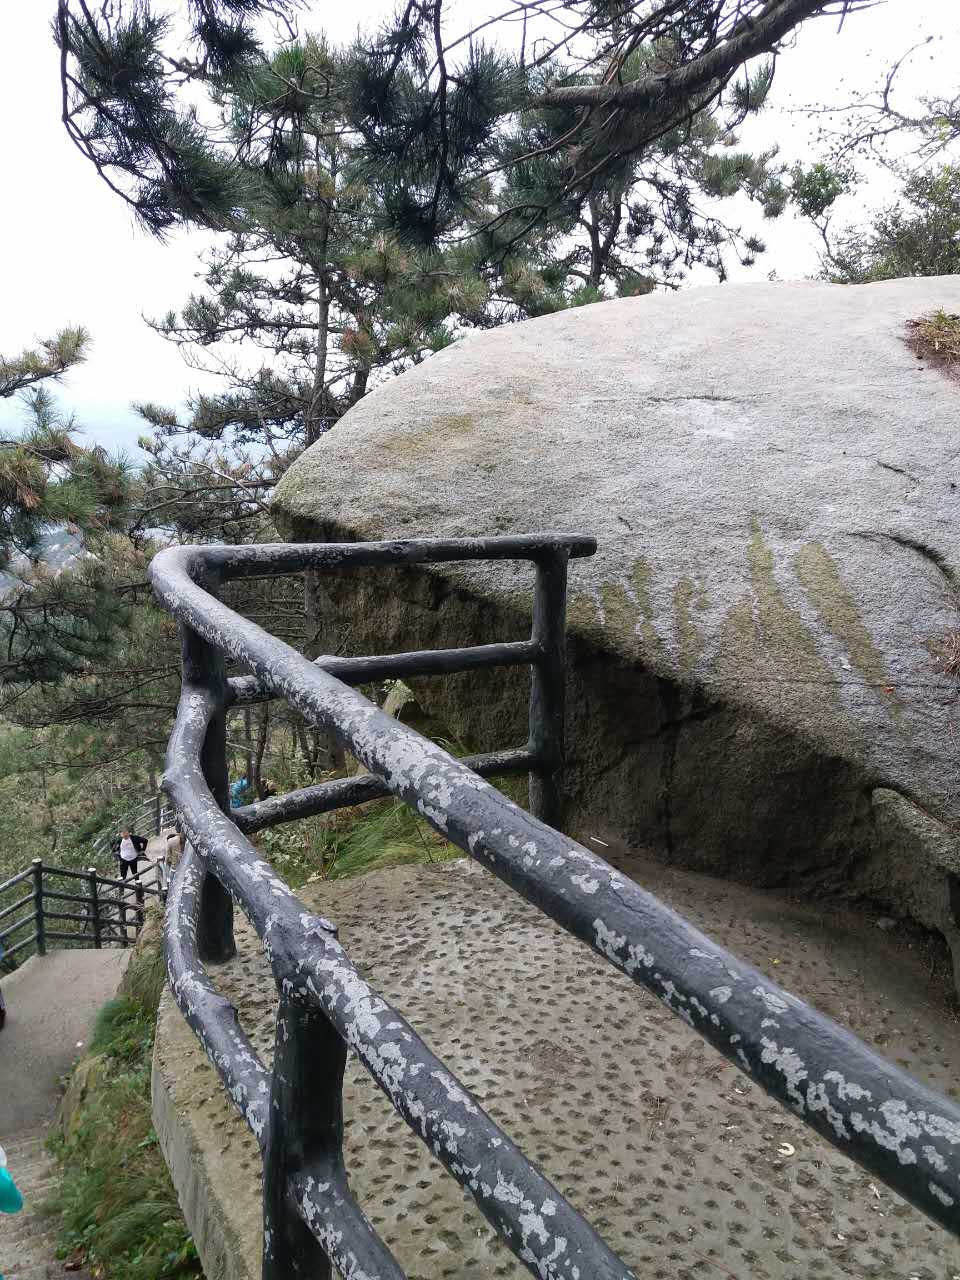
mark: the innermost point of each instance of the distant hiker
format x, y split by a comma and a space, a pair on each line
128, 848
240, 793
171, 856
11, 1201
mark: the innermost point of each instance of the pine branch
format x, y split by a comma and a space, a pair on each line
49, 360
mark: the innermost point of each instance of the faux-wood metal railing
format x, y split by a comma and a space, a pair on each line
893, 1125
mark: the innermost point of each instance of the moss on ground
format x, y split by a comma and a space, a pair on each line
439, 432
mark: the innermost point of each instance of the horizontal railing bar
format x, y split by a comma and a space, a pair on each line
65, 871
80, 939
278, 558
30, 919
324, 797
893, 1125
66, 897
21, 875
67, 915
310, 964
24, 942
15, 906
244, 690
125, 884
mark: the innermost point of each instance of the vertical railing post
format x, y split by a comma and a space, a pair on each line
158, 808
548, 688
95, 904
306, 1125
203, 667
38, 906
122, 913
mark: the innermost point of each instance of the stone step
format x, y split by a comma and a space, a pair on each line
34, 1268
27, 1253
27, 1175
20, 1229
46, 1271
34, 1182
28, 1240
26, 1153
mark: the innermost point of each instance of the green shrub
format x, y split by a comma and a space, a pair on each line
123, 1031
352, 842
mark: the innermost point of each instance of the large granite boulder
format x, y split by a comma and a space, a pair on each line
772, 475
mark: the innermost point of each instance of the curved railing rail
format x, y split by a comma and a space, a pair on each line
893, 1125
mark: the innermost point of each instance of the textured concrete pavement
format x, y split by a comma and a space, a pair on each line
686, 1168
52, 1001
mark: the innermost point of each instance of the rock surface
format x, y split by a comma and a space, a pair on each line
773, 477
674, 1156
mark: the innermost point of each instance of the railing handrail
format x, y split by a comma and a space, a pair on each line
902, 1131
21, 875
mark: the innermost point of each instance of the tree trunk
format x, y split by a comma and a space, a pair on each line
263, 729
308, 756
248, 743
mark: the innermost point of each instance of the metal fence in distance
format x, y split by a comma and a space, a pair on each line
47, 905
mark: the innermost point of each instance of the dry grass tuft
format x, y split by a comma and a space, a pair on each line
946, 654
936, 338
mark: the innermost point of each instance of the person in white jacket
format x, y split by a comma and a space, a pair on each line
128, 848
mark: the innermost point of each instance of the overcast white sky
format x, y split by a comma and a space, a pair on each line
71, 254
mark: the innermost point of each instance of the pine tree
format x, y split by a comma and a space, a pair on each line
89, 664
308, 277
429, 99
918, 235
913, 136
47, 361
611, 134
46, 477
50, 624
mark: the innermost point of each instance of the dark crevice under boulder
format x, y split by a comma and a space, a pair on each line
773, 477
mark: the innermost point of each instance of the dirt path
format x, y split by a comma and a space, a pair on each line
52, 1001
51, 1004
